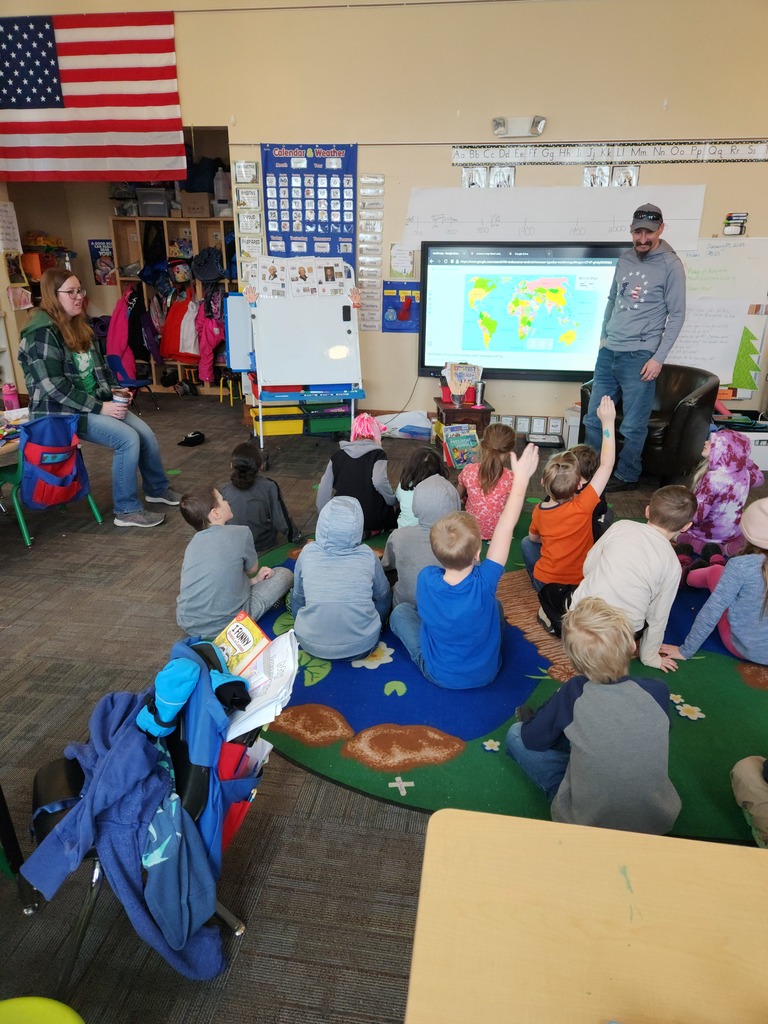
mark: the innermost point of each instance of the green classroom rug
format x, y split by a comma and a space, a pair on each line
379, 727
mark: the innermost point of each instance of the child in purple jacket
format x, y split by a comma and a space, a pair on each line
722, 487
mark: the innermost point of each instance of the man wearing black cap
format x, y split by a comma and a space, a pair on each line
644, 315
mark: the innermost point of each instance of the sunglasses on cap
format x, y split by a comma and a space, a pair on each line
650, 215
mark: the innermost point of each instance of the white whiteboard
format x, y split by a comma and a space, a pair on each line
548, 214
304, 340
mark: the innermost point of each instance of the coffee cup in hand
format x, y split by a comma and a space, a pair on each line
122, 402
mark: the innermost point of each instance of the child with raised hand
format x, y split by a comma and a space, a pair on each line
422, 464
455, 636
359, 470
220, 574
588, 461
256, 501
561, 526
721, 485
486, 484
739, 597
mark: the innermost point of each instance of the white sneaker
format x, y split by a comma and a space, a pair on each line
168, 497
142, 519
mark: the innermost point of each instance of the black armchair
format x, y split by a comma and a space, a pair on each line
679, 423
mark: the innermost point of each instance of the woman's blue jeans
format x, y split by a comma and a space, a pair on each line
617, 374
135, 448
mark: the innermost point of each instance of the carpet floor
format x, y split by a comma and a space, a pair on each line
377, 726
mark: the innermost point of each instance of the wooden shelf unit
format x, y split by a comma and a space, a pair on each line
127, 236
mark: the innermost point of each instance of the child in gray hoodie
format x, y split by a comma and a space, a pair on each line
408, 549
340, 594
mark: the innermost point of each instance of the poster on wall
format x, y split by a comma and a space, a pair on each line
103, 260
401, 307
310, 200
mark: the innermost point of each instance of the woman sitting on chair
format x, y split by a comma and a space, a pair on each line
65, 373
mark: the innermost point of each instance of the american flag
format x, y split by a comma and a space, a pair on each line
90, 97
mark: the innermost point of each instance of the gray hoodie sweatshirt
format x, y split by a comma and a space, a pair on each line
646, 303
408, 549
340, 593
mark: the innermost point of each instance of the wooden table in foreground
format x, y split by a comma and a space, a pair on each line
532, 922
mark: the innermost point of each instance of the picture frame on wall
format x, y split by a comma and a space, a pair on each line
522, 424
555, 425
246, 172
538, 424
248, 198
249, 223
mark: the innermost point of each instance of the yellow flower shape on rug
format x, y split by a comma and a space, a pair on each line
689, 711
381, 655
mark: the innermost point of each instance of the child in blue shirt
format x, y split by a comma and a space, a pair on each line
455, 635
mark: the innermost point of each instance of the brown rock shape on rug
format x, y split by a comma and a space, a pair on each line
315, 725
397, 748
755, 676
521, 605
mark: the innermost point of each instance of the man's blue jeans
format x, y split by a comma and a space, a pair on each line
544, 767
135, 447
617, 374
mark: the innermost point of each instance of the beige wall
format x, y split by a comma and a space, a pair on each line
407, 80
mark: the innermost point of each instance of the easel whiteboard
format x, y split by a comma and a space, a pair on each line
305, 340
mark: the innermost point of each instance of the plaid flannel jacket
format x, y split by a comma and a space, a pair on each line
52, 378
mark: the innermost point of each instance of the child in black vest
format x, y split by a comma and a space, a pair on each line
359, 470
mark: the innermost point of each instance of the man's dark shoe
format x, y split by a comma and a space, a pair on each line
617, 484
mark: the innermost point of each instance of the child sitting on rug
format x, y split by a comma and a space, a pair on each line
749, 781
633, 566
486, 484
599, 747
359, 470
739, 597
561, 526
455, 636
220, 574
588, 461
721, 485
422, 464
408, 548
340, 594
256, 501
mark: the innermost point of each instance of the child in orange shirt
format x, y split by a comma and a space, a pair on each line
561, 526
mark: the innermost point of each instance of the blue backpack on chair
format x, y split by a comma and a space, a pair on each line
53, 469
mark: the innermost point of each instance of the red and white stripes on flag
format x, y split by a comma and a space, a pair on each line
117, 116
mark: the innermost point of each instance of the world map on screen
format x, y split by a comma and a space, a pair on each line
522, 313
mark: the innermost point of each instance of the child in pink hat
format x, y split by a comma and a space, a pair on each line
359, 470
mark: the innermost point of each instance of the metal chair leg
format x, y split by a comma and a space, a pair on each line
77, 934
17, 507
152, 396
94, 509
229, 919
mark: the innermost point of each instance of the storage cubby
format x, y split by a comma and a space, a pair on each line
183, 236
